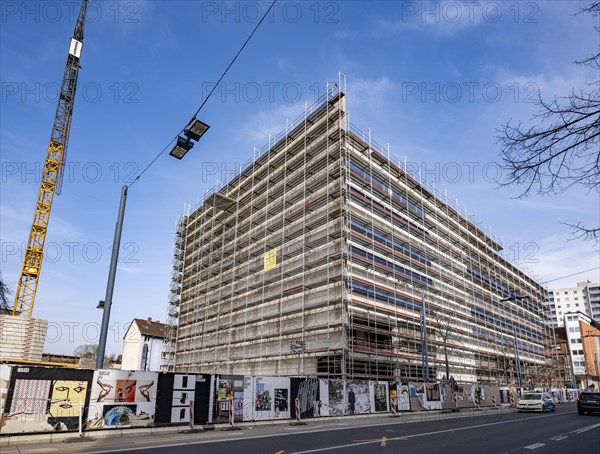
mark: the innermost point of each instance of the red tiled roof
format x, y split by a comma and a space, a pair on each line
150, 328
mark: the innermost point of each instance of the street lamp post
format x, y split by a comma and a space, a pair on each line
424, 346
192, 132
110, 286
515, 297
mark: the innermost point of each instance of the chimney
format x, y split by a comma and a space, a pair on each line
149, 319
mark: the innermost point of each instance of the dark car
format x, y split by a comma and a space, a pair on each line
588, 401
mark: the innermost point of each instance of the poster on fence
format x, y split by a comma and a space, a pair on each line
306, 390
228, 386
334, 399
266, 398
4, 385
359, 397
403, 397
378, 392
174, 394
122, 399
42, 399
429, 396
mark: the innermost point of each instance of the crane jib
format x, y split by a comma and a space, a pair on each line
52, 174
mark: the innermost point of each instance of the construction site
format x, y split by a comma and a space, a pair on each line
324, 256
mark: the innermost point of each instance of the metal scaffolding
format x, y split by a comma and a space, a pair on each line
324, 237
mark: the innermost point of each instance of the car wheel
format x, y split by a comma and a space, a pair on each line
544, 409
553, 408
581, 412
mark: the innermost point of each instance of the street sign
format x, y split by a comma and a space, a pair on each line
297, 346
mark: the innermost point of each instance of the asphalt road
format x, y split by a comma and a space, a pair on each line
486, 432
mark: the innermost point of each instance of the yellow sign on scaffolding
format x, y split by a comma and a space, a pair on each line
270, 259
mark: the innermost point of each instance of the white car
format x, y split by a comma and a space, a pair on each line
536, 402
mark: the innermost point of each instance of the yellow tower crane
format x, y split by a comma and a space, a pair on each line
52, 174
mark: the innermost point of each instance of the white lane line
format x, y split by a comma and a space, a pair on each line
560, 437
405, 437
535, 446
41, 450
310, 431
585, 429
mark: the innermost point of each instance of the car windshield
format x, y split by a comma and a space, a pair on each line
590, 396
532, 397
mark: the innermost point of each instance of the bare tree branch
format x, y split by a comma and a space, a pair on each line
562, 149
4, 292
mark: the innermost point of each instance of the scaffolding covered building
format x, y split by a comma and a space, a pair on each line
326, 241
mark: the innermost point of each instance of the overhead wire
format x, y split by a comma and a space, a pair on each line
570, 275
209, 94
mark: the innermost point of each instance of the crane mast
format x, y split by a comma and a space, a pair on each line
52, 174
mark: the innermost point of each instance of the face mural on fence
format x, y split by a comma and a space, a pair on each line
67, 397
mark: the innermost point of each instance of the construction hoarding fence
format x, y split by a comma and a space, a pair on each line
43, 399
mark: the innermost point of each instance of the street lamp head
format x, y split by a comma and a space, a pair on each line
181, 147
195, 129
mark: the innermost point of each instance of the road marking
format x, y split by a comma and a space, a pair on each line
535, 446
585, 429
310, 431
560, 437
280, 452
40, 450
412, 436
383, 441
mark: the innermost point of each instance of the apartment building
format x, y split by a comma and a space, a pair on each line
324, 256
584, 298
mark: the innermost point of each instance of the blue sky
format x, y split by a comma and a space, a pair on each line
435, 80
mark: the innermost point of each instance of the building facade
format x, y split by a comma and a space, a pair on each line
584, 298
583, 336
326, 243
22, 337
143, 345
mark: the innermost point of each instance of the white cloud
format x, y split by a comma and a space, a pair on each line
370, 95
345, 34
438, 17
559, 255
258, 127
